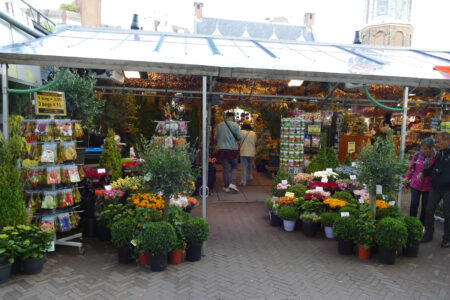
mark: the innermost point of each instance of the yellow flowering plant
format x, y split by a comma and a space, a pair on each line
128, 183
335, 203
152, 201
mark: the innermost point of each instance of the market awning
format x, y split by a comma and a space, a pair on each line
100, 48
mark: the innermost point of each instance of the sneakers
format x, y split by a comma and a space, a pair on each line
427, 238
445, 244
227, 190
233, 188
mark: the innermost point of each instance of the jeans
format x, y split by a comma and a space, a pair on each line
246, 169
415, 200
433, 200
226, 171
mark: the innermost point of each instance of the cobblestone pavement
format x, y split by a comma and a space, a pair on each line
245, 259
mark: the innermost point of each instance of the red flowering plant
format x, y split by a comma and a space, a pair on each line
312, 196
329, 186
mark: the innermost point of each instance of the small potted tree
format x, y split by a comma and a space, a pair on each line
159, 239
6, 256
289, 215
110, 158
415, 233
344, 229
196, 231
33, 242
365, 231
177, 217
390, 235
310, 222
327, 219
122, 233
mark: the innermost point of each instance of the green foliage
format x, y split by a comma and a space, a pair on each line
269, 204
30, 241
365, 226
279, 177
68, 7
159, 238
288, 213
332, 159
12, 205
298, 189
415, 229
313, 206
196, 230
6, 248
344, 228
345, 123
328, 218
343, 196
110, 158
194, 125
347, 161
324, 159
177, 218
121, 112
310, 218
122, 232
380, 165
391, 233
391, 212
272, 116
352, 210
146, 215
113, 213
80, 100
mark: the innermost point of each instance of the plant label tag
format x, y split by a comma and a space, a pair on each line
361, 200
133, 242
319, 188
353, 164
324, 180
384, 197
329, 170
283, 181
52, 247
101, 171
107, 187
392, 203
345, 214
352, 177
289, 195
379, 190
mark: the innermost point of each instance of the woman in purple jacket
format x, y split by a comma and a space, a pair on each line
420, 161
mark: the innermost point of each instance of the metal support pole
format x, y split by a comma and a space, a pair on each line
5, 101
402, 143
204, 151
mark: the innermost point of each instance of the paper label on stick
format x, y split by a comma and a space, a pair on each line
384, 197
352, 177
379, 190
101, 171
345, 214
107, 187
392, 203
361, 200
289, 195
283, 181
319, 188
324, 180
353, 164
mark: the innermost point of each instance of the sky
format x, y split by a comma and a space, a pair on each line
336, 20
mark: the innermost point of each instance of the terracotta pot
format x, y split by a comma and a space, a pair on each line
363, 253
144, 259
175, 257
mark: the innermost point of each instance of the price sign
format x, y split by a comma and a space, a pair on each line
353, 177
101, 171
351, 147
319, 188
361, 200
50, 103
392, 203
353, 164
345, 214
107, 187
379, 189
289, 195
283, 181
324, 180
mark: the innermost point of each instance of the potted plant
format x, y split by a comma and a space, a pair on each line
31, 246
344, 229
309, 223
196, 231
289, 215
390, 235
365, 230
110, 158
158, 239
415, 233
177, 217
328, 219
275, 219
6, 256
122, 233
279, 189
298, 189
111, 214
269, 205
144, 216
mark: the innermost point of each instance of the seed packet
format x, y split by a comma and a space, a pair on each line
64, 222
315, 141
76, 195
53, 175
74, 175
49, 153
48, 222
81, 172
182, 126
33, 179
74, 219
24, 127
65, 179
67, 151
62, 127
160, 128
50, 200
43, 128
67, 198
34, 151
77, 130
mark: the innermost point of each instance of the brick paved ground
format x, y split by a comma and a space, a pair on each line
246, 259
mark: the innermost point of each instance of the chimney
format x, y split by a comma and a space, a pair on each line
357, 39
135, 22
198, 10
309, 20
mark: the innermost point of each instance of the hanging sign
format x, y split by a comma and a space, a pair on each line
50, 103
351, 147
314, 129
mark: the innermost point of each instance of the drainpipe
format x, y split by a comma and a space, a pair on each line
31, 31
5, 101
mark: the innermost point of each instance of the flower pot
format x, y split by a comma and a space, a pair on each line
329, 232
5, 272
175, 257
16, 267
309, 229
158, 262
275, 220
363, 253
124, 255
144, 259
33, 266
103, 233
411, 250
345, 247
386, 255
289, 225
194, 252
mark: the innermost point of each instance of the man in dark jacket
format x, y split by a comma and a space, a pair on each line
440, 189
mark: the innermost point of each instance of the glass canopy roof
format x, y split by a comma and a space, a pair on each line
231, 57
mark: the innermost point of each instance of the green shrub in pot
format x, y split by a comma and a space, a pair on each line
328, 218
344, 228
159, 238
269, 204
196, 230
122, 232
415, 230
310, 218
298, 189
288, 213
391, 233
32, 241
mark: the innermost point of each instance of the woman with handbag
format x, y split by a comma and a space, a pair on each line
247, 152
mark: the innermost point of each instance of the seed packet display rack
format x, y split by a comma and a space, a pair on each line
55, 205
292, 144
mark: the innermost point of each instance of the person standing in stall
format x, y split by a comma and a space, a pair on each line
227, 136
247, 152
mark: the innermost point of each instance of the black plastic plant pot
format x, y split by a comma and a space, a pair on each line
194, 252
33, 266
124, 255
386, 255
275, 220
103, 233
158, 262
411, 250
5, 272
309, 229
345, 247
16, 267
